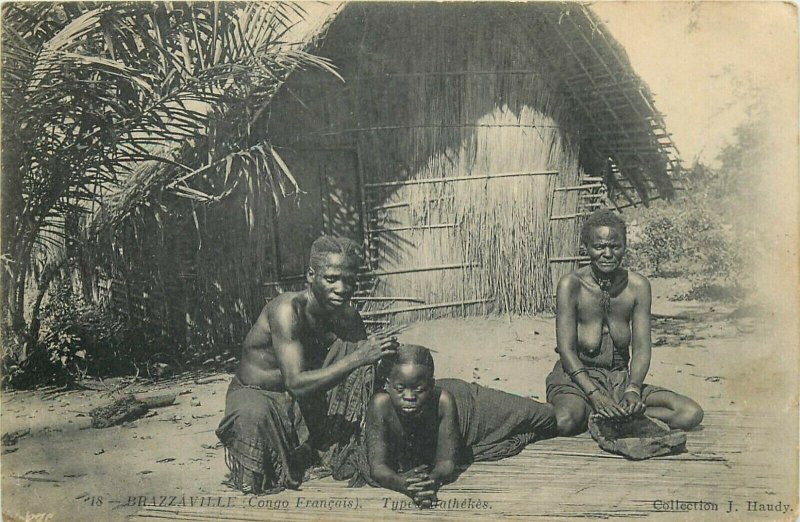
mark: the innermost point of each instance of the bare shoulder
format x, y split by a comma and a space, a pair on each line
447, 403
379, 405
638, 283
283, 312
569, 282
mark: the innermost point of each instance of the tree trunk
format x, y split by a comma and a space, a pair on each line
49, 273
21, 246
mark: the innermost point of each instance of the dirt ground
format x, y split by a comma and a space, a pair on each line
65, 468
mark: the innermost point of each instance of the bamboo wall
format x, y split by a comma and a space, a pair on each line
433, 92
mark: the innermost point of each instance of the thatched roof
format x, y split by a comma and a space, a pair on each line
624, 127
623, 136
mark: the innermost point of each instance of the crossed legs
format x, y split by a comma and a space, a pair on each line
675, 410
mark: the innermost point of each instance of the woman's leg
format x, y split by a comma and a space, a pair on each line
676, 410
572, 414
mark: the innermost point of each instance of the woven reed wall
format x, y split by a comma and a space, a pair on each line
438, 92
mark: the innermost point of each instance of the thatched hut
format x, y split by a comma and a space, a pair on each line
463, 146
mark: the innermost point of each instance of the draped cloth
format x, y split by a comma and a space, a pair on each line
273, 439
493, 425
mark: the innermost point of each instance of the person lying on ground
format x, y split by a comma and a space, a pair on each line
420, 430
278, 418
603, 340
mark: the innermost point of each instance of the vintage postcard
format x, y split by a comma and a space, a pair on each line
372, 260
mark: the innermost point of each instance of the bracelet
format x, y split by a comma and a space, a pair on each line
633, 388
591, 392
573, 373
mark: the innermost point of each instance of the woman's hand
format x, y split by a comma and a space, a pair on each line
605, 406
632, 403
420, 487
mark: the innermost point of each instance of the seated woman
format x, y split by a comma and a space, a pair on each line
420, 430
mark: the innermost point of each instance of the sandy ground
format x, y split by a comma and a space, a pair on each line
73, 472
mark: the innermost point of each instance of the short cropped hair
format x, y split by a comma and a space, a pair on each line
410, 354
326, 245
603, 218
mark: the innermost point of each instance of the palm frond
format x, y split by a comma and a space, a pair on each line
110, 103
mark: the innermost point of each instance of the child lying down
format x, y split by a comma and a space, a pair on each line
420, 430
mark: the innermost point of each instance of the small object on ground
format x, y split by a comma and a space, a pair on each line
208, 380
100, 451
168, 459
36, 479
160, 369
636, 438
196, 402
11, 438
129, 408
156, 400
122, 410
144, 472
9, 450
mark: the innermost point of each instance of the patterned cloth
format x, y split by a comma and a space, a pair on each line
272, 439
494, 424
612, 382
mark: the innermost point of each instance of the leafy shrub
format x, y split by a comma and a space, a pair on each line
691, 242
79, 339
660, 244
708, 235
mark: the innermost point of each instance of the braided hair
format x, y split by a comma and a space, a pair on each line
407, 354
324, 246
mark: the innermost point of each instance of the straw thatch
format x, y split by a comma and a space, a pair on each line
463, 147
453, 92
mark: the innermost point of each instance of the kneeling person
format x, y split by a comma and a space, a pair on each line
603, 340
304, 378
420, 429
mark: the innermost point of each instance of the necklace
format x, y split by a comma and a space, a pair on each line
610, 286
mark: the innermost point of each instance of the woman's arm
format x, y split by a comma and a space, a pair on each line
448, 442
567, 331
378, 445
641, 345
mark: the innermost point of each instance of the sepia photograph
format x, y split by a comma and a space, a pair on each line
380, 260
